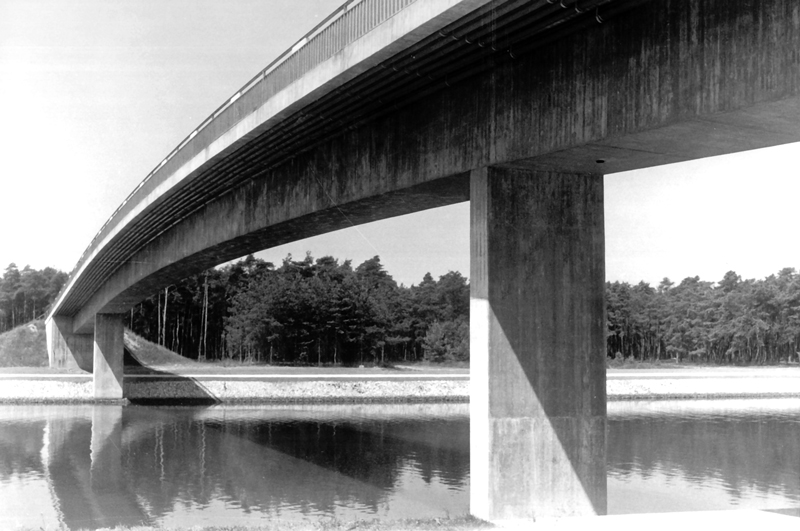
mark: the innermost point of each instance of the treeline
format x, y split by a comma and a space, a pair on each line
323, 311
26, 295
733, 321
310, 312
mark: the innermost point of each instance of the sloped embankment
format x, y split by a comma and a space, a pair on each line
26, 346
150, 354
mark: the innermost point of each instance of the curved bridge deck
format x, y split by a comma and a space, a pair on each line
520, 106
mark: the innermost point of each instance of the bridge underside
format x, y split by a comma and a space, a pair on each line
662, 83
527, 138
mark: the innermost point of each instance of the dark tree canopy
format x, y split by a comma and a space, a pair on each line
735, 321
26, 295
310, 312
324, 311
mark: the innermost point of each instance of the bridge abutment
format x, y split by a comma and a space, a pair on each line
65, 349
537, 325
108, 356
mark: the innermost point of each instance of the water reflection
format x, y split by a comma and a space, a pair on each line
703, 455
106, 465
102, 466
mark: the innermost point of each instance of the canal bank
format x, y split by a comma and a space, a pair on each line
703, 382
332, 386
700, 520
240, 388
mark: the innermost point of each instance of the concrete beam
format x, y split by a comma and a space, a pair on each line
537, 345
108, 356
252, 115
665, 82
264, 213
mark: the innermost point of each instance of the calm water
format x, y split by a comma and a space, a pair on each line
97, 466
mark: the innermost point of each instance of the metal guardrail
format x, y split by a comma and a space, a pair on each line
349, 22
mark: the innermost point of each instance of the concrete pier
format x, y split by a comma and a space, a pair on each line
537, 325
108, 356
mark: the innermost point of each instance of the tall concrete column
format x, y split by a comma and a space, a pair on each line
537, 332
108, 356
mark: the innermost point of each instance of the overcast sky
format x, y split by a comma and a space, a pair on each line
94, 94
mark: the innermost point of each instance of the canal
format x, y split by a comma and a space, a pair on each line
83, 466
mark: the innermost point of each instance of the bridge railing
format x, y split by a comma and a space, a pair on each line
354, 19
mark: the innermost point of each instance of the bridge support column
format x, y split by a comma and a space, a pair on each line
537, 345
108, 356
65, 349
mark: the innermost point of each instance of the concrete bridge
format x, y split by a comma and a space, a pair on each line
520, 106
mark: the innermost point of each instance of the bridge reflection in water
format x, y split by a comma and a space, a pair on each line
114, 465
90, 467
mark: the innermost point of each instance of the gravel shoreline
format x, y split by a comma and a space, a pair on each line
56, 391
702, 388
76, 390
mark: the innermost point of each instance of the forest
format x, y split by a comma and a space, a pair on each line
26, 295
309, 312
323, 311
733, 321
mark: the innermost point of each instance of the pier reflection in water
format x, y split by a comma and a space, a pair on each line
91, 467
100, 466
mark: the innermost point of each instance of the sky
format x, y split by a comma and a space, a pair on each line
94, 94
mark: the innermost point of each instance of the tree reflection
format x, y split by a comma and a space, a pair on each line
740, 452
111, 466
115, 466
308, 466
